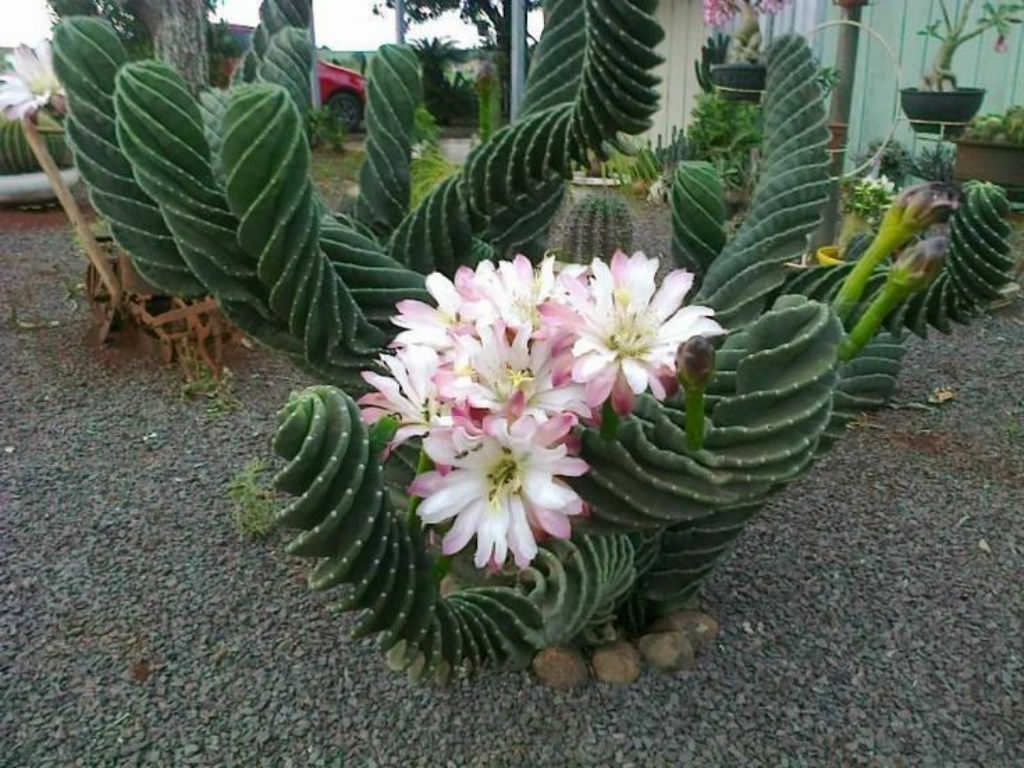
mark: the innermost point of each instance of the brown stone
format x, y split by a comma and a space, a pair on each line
617, 663
699, 628
668, 651
560, 667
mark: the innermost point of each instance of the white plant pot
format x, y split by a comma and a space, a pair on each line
22, 188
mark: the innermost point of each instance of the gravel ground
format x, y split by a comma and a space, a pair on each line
873, 615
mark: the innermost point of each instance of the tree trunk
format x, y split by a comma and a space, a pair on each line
178, 28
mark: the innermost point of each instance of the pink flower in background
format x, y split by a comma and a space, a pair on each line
626, 333
502, 487
1001, 44
32, 84
717, 13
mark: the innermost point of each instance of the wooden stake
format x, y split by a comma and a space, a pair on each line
67, 201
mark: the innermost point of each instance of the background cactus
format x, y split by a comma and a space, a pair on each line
596, 227
16, 155
215, 197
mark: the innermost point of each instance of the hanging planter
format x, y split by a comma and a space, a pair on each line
945, 112
742, 81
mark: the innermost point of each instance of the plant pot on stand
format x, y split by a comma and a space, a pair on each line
942, 112
996, 161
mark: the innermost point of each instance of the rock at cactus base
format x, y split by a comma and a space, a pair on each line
561, 667
667, 651
618, 663
698, 628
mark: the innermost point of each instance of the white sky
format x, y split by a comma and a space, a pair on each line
340, 24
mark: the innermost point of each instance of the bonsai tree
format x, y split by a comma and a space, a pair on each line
746, 40
952, 32
603, 437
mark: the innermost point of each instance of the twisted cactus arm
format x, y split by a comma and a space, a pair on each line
346, 520
87, 56
788, 198
779, 374
698, 217
393, 93
266, 163
275, 15
511, 186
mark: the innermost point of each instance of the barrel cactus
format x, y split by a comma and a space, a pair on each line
597, 225
214, 196
16, 155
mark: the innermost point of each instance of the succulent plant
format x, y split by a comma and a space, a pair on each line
215, 197
597, 226
16, 155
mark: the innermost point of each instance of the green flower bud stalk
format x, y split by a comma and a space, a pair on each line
695, 364
916, 209
424, 464
913, 272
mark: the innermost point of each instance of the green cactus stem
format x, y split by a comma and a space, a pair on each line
916, 209
913, 273
695, 363
423, 464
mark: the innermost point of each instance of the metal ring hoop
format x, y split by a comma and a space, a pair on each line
899, 82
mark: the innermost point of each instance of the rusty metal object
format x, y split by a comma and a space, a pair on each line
173, 321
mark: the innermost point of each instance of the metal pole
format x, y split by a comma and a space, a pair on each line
400, 21
839, 119
314, 80
517, 68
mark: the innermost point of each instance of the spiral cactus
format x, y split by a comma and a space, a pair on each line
596, 227
214, 196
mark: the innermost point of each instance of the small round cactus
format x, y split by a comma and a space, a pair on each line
597, 226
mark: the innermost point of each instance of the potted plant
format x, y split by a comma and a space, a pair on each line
742, 77
992, 149
942, 106
864, 200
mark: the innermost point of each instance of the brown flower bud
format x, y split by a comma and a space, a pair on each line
919, 265
924, 204
695, 362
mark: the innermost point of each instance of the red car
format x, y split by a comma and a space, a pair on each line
341, 89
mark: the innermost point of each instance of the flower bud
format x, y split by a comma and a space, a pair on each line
919, 265
695, 362
924, 204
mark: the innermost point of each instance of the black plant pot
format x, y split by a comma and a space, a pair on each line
739, 82
943, 112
